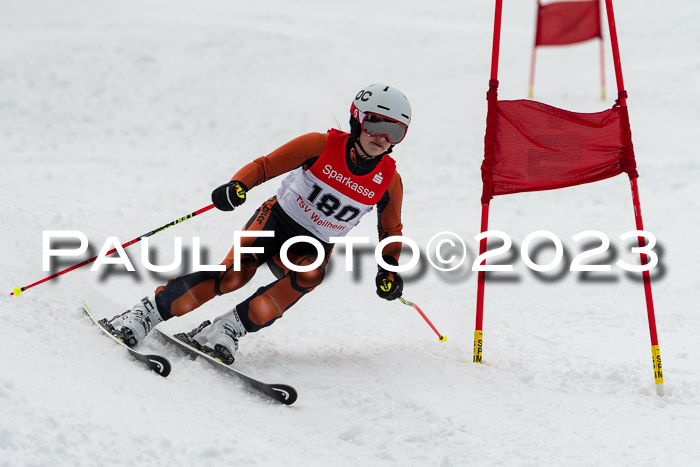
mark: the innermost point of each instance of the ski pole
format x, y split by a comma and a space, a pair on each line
441, 338
18, 290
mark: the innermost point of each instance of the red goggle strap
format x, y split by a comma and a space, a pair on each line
357, 113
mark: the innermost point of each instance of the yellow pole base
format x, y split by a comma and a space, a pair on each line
17, 291
658, 370
478, 346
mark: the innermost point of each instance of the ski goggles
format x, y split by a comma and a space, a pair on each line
379, 125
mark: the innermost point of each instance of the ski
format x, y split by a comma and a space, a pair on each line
283, 393
158, 364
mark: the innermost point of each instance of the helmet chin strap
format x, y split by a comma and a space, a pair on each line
364, 154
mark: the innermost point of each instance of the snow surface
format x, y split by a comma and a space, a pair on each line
118, 117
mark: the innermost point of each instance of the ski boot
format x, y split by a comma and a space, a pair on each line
132, 326
220, 339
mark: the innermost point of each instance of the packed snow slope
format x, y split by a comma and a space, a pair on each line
119, 117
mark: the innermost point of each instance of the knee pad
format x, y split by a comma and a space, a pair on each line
231, 280
306, 281
259, 310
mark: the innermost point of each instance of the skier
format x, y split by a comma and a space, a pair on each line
333, 180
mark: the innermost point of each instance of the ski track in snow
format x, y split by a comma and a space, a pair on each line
115, 120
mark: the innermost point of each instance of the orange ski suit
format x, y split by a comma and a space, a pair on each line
268, 303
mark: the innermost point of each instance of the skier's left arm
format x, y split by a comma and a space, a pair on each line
389, 284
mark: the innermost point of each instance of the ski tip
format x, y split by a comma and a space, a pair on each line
283, 393
159, 364
442, 339
17, 291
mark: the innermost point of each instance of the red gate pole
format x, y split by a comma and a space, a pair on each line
602, 69
496, 39
531, 84
602, 55
479, 327
655, 350
622, 95
489, 143
615, 51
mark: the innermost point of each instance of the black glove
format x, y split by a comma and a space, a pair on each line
389, 284
229, 196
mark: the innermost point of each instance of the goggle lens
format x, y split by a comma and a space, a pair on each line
378, 125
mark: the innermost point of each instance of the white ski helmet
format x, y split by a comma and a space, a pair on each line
382, 100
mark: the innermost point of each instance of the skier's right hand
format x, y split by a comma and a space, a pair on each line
229, 196
389, 284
